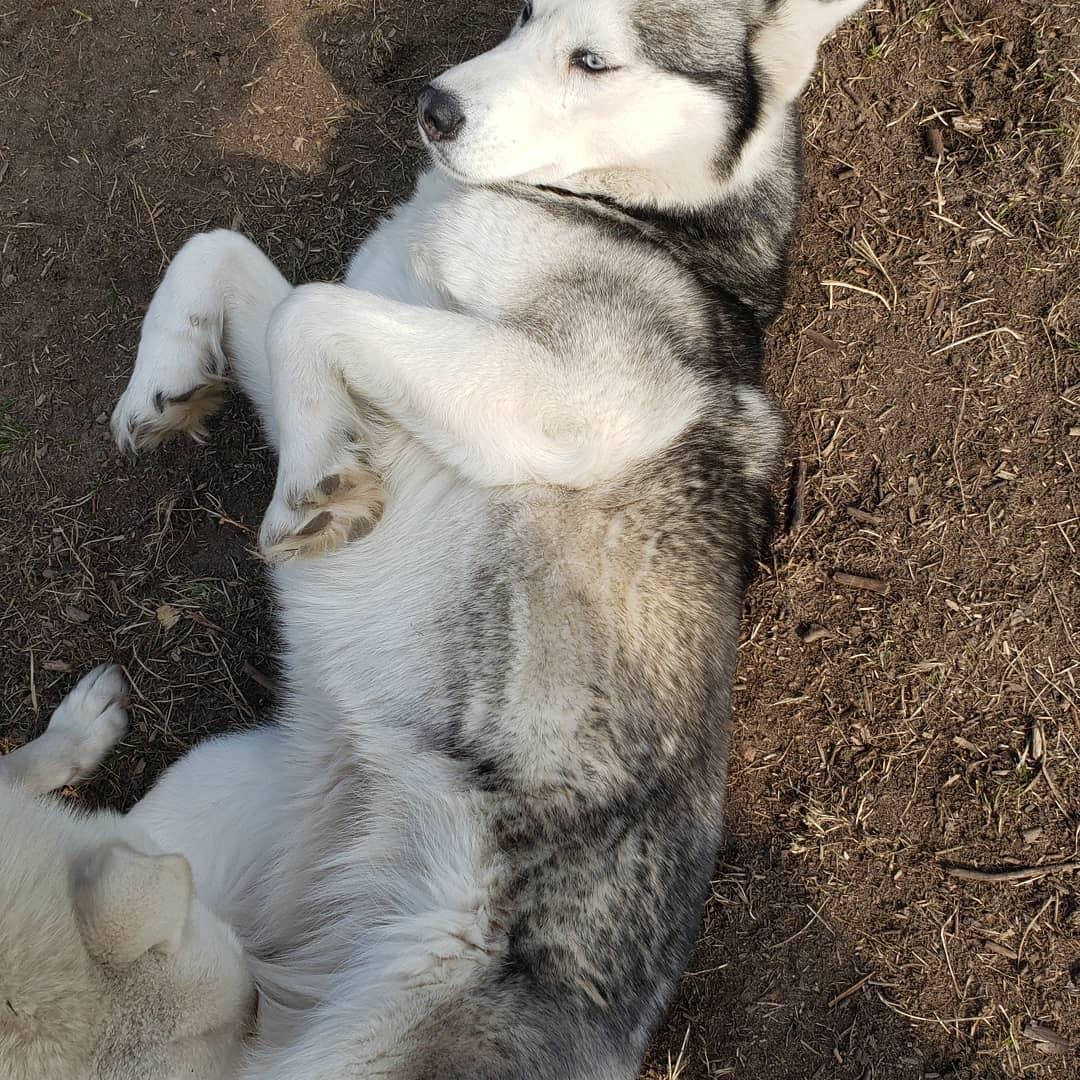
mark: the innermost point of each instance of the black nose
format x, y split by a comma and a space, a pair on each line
440, 114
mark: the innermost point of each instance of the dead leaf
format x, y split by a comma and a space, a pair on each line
168, 616
969, 125
820, 340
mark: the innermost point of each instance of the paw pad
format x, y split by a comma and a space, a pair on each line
348, 505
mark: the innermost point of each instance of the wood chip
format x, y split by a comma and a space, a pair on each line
858, 581
255, 675
932, 302
1048, 1040
863, 516
820, 340
935, 144
1036, 743
969, 125
56, 665
797, 497
74, 614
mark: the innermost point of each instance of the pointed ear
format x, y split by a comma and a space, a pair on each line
129, 903
786, 42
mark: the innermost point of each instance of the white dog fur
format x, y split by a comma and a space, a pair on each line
110, 969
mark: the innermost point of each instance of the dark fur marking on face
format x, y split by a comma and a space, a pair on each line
682, 41
737, 246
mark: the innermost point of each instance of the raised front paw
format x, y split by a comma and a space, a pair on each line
176, 387
89, 722
345, 505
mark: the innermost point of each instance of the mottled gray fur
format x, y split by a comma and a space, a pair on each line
499, 777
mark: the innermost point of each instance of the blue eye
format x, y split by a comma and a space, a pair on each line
526, 12
588, 61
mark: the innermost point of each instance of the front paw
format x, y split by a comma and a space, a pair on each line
89, 721
177, 385
345, 505
142, 421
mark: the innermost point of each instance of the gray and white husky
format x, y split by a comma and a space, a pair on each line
524, 455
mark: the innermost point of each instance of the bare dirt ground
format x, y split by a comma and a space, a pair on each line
908, 700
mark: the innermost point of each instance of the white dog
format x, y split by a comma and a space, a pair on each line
110, 969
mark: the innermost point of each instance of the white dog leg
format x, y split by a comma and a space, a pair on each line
486, 398
207, 320
85, 727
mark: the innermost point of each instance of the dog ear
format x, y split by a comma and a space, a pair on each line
786, 41
129, 903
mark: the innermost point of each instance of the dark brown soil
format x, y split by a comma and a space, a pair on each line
882, 734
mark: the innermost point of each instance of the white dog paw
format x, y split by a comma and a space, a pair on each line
177, 385
90, 721
345, 505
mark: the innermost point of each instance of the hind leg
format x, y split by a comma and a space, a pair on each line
207, 321
85, 727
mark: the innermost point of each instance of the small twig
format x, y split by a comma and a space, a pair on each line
33, 688
256, 676
1021, 873
1030, 927
857, 581
153, 222
975, 337
797, 500
945, 947
853, 989
831, 444
832, 284
1044, 772
863, 516
862, 246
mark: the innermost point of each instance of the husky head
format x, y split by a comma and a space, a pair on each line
658, 102
109, 969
